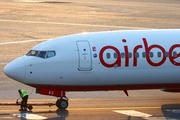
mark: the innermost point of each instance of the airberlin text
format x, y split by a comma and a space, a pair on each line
147, 49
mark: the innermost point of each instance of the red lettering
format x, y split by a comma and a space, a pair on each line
126, 54
117, 62
134, 54
148, 49
171, 57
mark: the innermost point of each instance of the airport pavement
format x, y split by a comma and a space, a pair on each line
25, 23
144, 108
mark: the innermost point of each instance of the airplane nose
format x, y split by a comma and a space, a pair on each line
16, 69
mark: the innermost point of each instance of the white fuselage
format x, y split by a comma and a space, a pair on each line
114, 58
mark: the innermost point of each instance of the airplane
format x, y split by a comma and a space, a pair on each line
101, 61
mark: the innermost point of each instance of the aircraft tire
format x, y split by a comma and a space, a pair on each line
30, 107
62, 103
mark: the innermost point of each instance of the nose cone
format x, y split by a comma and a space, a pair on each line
16, 69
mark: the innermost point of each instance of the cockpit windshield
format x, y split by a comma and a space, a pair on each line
41, 54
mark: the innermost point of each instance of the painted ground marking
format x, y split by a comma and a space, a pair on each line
133, 113
30, 116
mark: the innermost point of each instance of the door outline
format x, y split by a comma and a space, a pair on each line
84, 55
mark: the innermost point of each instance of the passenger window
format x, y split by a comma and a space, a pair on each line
122, 55
151, 54
137, 55
174, 54
51, 54
130, 55
144, 54
115, 55
108, 55
166, 54
159, 54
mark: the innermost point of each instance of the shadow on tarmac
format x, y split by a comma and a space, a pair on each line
61, 114
171, 111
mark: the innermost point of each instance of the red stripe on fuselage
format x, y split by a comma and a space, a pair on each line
105, 88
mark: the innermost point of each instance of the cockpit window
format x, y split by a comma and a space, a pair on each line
50, 54
41, 54
32, 53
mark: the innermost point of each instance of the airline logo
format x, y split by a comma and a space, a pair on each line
147, 48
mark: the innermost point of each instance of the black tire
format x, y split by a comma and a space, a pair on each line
30, 107
62, 103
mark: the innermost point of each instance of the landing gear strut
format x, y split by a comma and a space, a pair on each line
62, 103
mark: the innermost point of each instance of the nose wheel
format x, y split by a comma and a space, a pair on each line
62, 103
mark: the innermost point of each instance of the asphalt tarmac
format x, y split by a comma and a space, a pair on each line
25, 23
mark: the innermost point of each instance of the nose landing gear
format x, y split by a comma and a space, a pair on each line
62, 103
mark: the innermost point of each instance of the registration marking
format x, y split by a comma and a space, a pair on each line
30, 116
133, 113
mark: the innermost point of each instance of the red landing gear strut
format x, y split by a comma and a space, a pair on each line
62, 101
